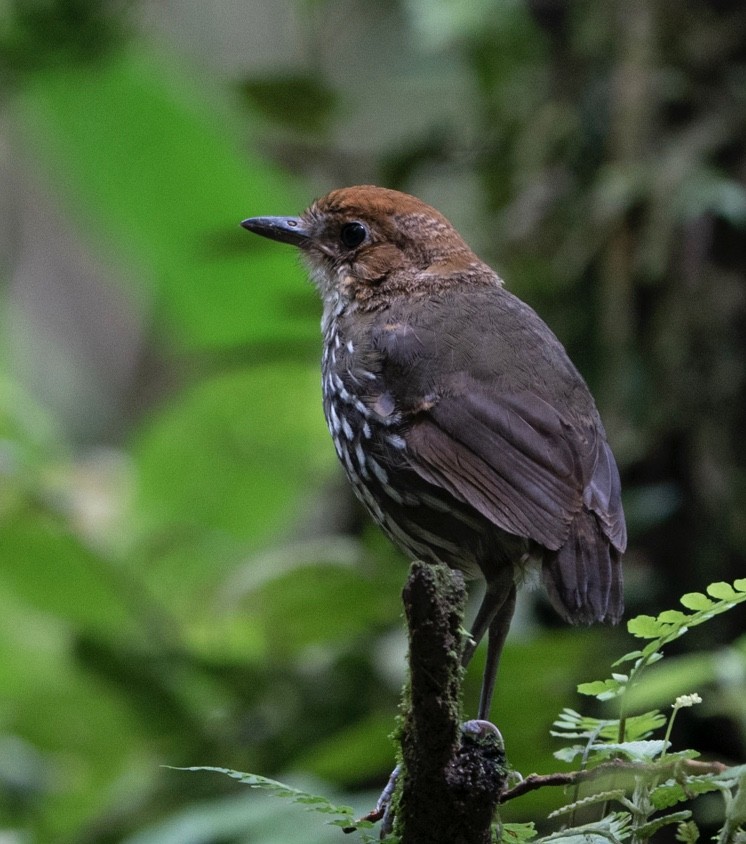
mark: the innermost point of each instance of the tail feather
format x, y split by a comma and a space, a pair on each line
583, 578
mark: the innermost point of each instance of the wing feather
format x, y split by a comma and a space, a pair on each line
509, 457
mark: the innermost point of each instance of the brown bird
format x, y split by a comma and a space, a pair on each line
461, 423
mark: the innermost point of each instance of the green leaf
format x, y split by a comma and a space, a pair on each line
672, 791
722, 591
569, 719
646, 830
570, 754
590, 800
646, 627
572, 724
673, 617
628, 657
736, 811
696, 601
666, 627
688, 832
651, 654
641, 726
516, 833
602, 689
278, 789
635, 751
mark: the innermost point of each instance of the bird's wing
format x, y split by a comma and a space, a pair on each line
524, 464
509, 457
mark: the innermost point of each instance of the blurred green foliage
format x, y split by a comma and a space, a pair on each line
183, 578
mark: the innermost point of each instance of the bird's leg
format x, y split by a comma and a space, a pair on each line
384, 803
494, 615
497, 592
497, 633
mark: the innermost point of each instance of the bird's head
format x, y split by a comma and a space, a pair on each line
369, 244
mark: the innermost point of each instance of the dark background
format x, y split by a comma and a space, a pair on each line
184, 577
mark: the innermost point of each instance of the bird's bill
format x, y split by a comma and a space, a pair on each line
284, 229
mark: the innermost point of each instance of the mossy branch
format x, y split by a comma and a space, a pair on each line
452, 774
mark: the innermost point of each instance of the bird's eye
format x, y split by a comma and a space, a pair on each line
352, 234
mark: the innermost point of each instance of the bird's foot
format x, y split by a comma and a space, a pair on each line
382, 811
479, 728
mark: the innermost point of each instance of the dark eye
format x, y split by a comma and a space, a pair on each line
352, 234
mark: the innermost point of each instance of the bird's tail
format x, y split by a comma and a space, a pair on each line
584, 577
